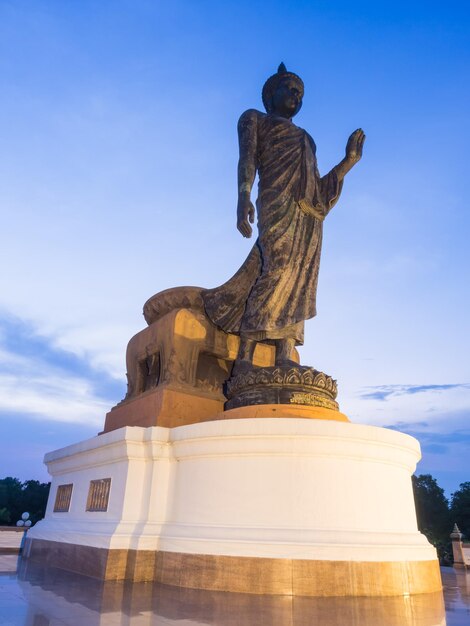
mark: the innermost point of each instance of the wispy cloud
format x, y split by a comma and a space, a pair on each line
437, 440
407, 426
417, 409
445, 453
383, 392
43, 381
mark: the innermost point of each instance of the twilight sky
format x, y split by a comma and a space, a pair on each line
118, 179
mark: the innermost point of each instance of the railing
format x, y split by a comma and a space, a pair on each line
461, 550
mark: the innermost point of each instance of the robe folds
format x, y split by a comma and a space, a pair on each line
274, 291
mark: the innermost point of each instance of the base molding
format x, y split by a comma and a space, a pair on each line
254, 575
297, 577
102, 563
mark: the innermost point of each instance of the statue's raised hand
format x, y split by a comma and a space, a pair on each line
355, 145
245, 216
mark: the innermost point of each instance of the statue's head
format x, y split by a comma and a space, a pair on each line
283, 93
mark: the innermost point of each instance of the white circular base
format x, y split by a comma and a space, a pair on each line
273, 505
293, 488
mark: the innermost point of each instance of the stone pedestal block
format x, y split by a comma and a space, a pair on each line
273, 506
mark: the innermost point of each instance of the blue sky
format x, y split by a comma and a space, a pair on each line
118, 177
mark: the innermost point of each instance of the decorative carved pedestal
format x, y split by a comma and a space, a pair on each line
282, 385
178, 365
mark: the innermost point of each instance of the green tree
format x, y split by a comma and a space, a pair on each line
432, 511
460, 508
17, 497
10, 497
35, 496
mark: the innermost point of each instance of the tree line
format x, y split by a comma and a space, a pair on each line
437, 515
18, 497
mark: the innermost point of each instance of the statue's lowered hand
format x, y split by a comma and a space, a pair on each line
245, 217
355, 145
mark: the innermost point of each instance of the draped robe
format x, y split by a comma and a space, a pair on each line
274, 291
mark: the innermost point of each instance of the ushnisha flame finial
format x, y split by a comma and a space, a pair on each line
272, 83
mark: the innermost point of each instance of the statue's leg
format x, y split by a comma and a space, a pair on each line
244, 359
284, 349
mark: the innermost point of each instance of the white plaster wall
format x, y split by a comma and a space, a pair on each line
294, 488
281, 488
136, 460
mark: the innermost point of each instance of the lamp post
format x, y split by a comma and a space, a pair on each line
25, 523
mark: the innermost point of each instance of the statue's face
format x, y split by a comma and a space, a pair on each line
287, 99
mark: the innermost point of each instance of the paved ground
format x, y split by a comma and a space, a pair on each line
33, 596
